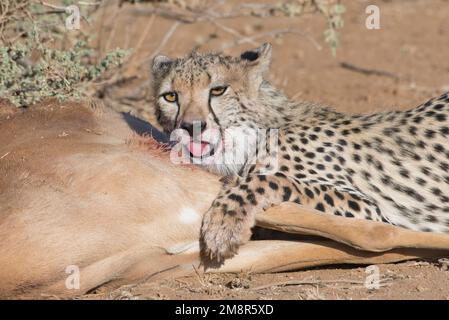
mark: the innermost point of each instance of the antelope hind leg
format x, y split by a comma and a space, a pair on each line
277, 256
357, 233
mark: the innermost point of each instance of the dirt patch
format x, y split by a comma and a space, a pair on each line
409, 280
410, 54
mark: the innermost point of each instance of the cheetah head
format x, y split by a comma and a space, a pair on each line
209, 104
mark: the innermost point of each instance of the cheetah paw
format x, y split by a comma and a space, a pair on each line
223, 230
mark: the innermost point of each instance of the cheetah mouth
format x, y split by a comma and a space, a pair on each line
200, 149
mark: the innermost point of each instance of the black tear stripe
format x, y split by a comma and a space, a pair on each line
213, 114
176, 117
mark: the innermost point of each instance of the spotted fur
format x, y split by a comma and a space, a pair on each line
391, 166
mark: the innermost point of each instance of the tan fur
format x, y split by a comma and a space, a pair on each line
77, 189
85, 197
388, 166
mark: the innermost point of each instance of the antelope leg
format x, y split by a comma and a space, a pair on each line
357, 233
277, 256
134, 265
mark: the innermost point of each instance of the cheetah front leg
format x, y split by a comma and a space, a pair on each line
228, 222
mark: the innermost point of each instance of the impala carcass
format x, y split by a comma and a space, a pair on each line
85, 201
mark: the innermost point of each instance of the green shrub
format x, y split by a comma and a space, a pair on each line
32, 68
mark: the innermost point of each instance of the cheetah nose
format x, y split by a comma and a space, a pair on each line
194, 128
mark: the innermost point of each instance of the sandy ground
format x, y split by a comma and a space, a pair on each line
412, 46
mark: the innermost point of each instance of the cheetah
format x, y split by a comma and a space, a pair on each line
391, 167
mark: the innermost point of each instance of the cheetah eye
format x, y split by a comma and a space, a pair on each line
218, 91
170, 97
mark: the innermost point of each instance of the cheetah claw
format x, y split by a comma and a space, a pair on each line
222, 232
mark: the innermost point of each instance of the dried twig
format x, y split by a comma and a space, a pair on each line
85, 3
144, 33
49, 5
5, 155
167, 36
199, 276
274, 33
234, 32
368, 72
130, 67
113, 31
312, 283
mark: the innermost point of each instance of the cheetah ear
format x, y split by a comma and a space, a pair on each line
161, 64
259, 58
256, 63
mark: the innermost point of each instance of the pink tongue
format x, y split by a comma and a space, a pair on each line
197, 149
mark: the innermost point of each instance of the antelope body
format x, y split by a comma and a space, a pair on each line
79, 190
